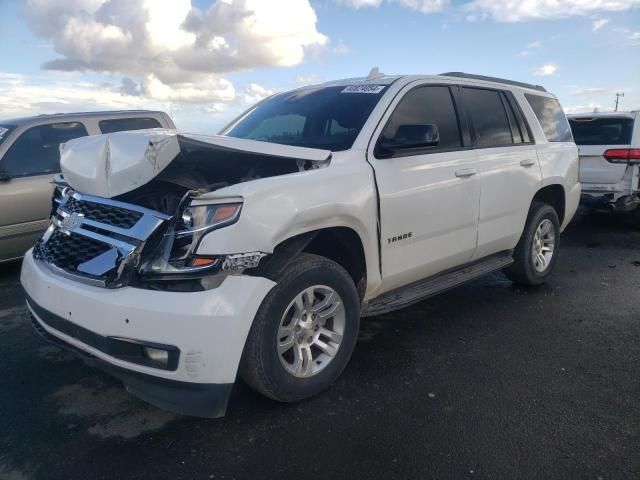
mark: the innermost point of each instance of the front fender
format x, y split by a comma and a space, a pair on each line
277, 208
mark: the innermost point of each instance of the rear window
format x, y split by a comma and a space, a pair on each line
5, 130
602, 131
123, 124
551, 117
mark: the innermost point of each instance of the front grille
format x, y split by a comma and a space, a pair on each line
97, 240
68, 251
115, 216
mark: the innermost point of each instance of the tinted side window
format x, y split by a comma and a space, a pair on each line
122, 124
551, 118
427, 106
488, 117
602, 131
37, 150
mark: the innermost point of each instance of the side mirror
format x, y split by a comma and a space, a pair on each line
411, 136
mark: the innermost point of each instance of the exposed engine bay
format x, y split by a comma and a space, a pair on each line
123, 211
202, 167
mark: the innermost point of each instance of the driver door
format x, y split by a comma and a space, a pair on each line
429, 196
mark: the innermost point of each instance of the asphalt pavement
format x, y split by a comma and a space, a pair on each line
484, 381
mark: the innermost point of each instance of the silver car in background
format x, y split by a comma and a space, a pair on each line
30, 157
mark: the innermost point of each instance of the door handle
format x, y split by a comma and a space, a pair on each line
465, 172
528, 162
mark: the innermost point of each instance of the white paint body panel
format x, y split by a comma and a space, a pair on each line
209, 328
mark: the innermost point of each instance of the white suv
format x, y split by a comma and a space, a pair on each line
177, 261
609, 146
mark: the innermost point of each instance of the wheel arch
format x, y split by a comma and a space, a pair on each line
341, 244
555, 196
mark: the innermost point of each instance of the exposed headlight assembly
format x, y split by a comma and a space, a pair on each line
175, 254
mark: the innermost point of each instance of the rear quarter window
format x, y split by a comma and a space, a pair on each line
123, 124
602, 131
551, 117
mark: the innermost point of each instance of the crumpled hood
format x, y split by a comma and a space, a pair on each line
115, 163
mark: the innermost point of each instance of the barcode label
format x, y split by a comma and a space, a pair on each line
375, 89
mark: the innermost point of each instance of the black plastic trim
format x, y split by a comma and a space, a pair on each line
128, 350
207, 400
484, 78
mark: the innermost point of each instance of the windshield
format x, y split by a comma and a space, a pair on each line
5, 130
602, 131
329, 118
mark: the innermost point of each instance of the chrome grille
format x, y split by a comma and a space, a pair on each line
94, 239
68, 251
108, 214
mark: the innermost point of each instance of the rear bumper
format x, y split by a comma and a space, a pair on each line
207, 330
610, 201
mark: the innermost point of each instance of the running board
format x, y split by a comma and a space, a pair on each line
418, 291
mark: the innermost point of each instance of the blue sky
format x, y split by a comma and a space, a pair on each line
578, 49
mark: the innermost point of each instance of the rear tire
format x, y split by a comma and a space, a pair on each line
304, 332
537, 251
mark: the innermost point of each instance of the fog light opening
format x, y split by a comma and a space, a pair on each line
156, 354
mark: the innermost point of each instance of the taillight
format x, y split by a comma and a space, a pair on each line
622, 155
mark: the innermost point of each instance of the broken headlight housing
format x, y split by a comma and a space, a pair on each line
175, 252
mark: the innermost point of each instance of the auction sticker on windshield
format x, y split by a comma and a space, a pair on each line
363, 89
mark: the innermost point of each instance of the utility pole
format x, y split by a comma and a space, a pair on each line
618, 95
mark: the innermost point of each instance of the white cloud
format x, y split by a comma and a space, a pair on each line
598, 23
590, 108
256, 92
634, 36
22, 95
360, 3
536, 44
546, 70
423, 6
588, 91
171, 49
516, 11
341, 48
310, 79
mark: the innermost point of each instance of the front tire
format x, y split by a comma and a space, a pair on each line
304, 332
537, 251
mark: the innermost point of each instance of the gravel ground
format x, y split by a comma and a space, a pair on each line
484, 381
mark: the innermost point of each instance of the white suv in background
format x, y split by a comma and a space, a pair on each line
609, 146
178, 261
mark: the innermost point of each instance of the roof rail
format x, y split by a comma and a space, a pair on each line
493, 79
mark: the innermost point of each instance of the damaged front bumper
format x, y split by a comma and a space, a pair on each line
206, 331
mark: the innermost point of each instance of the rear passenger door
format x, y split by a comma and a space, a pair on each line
507, 165
429, 195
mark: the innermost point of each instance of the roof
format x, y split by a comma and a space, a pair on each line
62, 116
382, 79
631, 114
